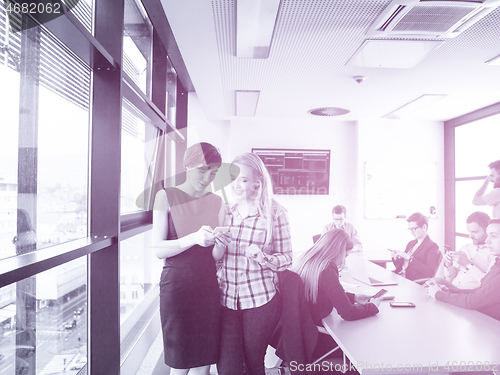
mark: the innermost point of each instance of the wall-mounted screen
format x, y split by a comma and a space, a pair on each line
297, 172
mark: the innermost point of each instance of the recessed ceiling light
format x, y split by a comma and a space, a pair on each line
392, 53
255, 21
494, 61
414, 105
328, 111
246, 102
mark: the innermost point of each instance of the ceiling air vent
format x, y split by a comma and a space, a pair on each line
328, 111
428, 18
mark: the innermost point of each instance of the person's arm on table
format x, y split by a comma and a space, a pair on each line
342, 302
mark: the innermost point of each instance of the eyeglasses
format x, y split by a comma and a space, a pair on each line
413, 229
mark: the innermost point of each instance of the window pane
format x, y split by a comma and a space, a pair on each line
83, 11
461, 241
476, 147
44, 150
171, 92
8, 156
139, 141
139, 275
43, 322
465, 191
137, 42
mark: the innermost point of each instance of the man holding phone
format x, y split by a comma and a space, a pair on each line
486, 298
465, 268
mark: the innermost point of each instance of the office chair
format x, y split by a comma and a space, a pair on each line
296, 335
422, 281
316, 237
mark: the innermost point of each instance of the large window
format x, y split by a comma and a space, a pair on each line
474, 140
43, 322
81, 144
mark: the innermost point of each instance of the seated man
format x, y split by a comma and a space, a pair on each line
465, 268
422, 256
339, 215
486, 298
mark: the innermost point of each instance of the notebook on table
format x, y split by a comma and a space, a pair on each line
357, 270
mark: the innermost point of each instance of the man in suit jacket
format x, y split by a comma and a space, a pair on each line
422, 256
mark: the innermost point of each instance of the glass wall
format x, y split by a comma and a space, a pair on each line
474, 148
43, 323
81, 143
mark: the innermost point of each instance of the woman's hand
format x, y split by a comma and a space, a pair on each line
204, 236
255, 253
375, 301
361, 298
222, 238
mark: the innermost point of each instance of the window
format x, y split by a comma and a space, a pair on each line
43, 321
474, 143
63, 103
44, 151
137, 42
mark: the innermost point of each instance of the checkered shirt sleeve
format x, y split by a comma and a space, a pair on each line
244, 283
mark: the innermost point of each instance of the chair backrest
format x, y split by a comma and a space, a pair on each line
316, 237
296, 335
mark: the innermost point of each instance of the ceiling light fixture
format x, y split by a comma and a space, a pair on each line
414, 105
392, 53
255, 21
246, 103
494, 61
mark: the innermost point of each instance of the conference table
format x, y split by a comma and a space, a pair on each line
379, 257
433, 337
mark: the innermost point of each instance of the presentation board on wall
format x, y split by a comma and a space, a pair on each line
397, 189
297, 171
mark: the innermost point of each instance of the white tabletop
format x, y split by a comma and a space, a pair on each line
425, 338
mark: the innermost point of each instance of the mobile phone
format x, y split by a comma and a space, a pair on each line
448, 249
402, 304
380, 293
220, 230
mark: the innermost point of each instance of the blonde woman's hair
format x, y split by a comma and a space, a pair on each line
264, 197
330, 248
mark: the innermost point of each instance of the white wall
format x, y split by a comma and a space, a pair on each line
202, 130
308, 213
405, 142
351, 145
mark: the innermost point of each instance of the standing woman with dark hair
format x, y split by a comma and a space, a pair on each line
183, 222
260, 247
319, 270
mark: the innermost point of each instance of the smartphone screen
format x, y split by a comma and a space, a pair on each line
220, 230
402, 304
380, 293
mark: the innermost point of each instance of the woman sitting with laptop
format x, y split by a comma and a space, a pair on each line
319, 270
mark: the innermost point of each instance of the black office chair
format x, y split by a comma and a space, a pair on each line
422, 281
296, 335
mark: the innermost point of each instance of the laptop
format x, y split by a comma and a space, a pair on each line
357, 270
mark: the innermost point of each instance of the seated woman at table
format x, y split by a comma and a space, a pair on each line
319, 270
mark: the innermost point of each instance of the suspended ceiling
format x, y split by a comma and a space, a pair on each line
313, 40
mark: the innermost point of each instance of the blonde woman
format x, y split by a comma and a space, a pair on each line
319, 270
260, 247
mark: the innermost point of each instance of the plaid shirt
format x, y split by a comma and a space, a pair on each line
244, 283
